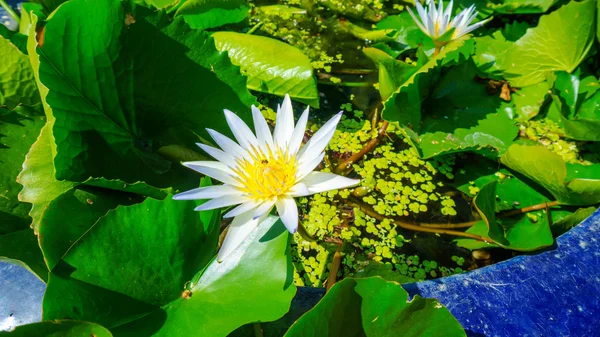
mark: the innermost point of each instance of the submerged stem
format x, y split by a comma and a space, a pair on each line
335, 266
347, 84
254, 28
372, 144
413, 227
10, 11
532, 208
257, 330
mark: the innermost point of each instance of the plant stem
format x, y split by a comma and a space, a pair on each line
257, 330
450, 225
529, 209
353, 71
372, 213
10, 11
347, 84
254, 28
335, 266
437, 50
366, 149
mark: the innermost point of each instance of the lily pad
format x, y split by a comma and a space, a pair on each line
63, 328
559, 42
149, 292
375, 307
272, 66
550, 171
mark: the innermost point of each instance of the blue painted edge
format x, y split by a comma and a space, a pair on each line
552, 293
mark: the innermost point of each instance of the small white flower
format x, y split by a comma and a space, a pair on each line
436, 22
263, 171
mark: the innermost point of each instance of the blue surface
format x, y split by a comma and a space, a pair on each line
6, 19
553, 293
20, 296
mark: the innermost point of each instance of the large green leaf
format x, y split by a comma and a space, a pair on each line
206, 14
254, 284
559, 42
113, 127
141, 254
472, 118
17, 84
549, 170
64, 328
375, 307
145, 255
404, 105
272, 66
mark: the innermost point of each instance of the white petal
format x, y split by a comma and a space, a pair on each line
288, 212
219, 155
298, 134
264, 208
419, 24
299, 190
238, 231
242, 208
228, 145
422, 12
207, 192
224, 201
321, 138
307, 166
477, 25
240, 130
440, 10
318, 182
284, 125
263, 133
213, 169
448, 12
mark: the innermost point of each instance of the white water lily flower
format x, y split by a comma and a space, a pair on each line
436, 22
263, 171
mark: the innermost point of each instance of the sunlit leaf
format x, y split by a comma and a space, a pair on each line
560, 41
272, 66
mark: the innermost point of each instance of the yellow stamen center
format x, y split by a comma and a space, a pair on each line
266, 175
